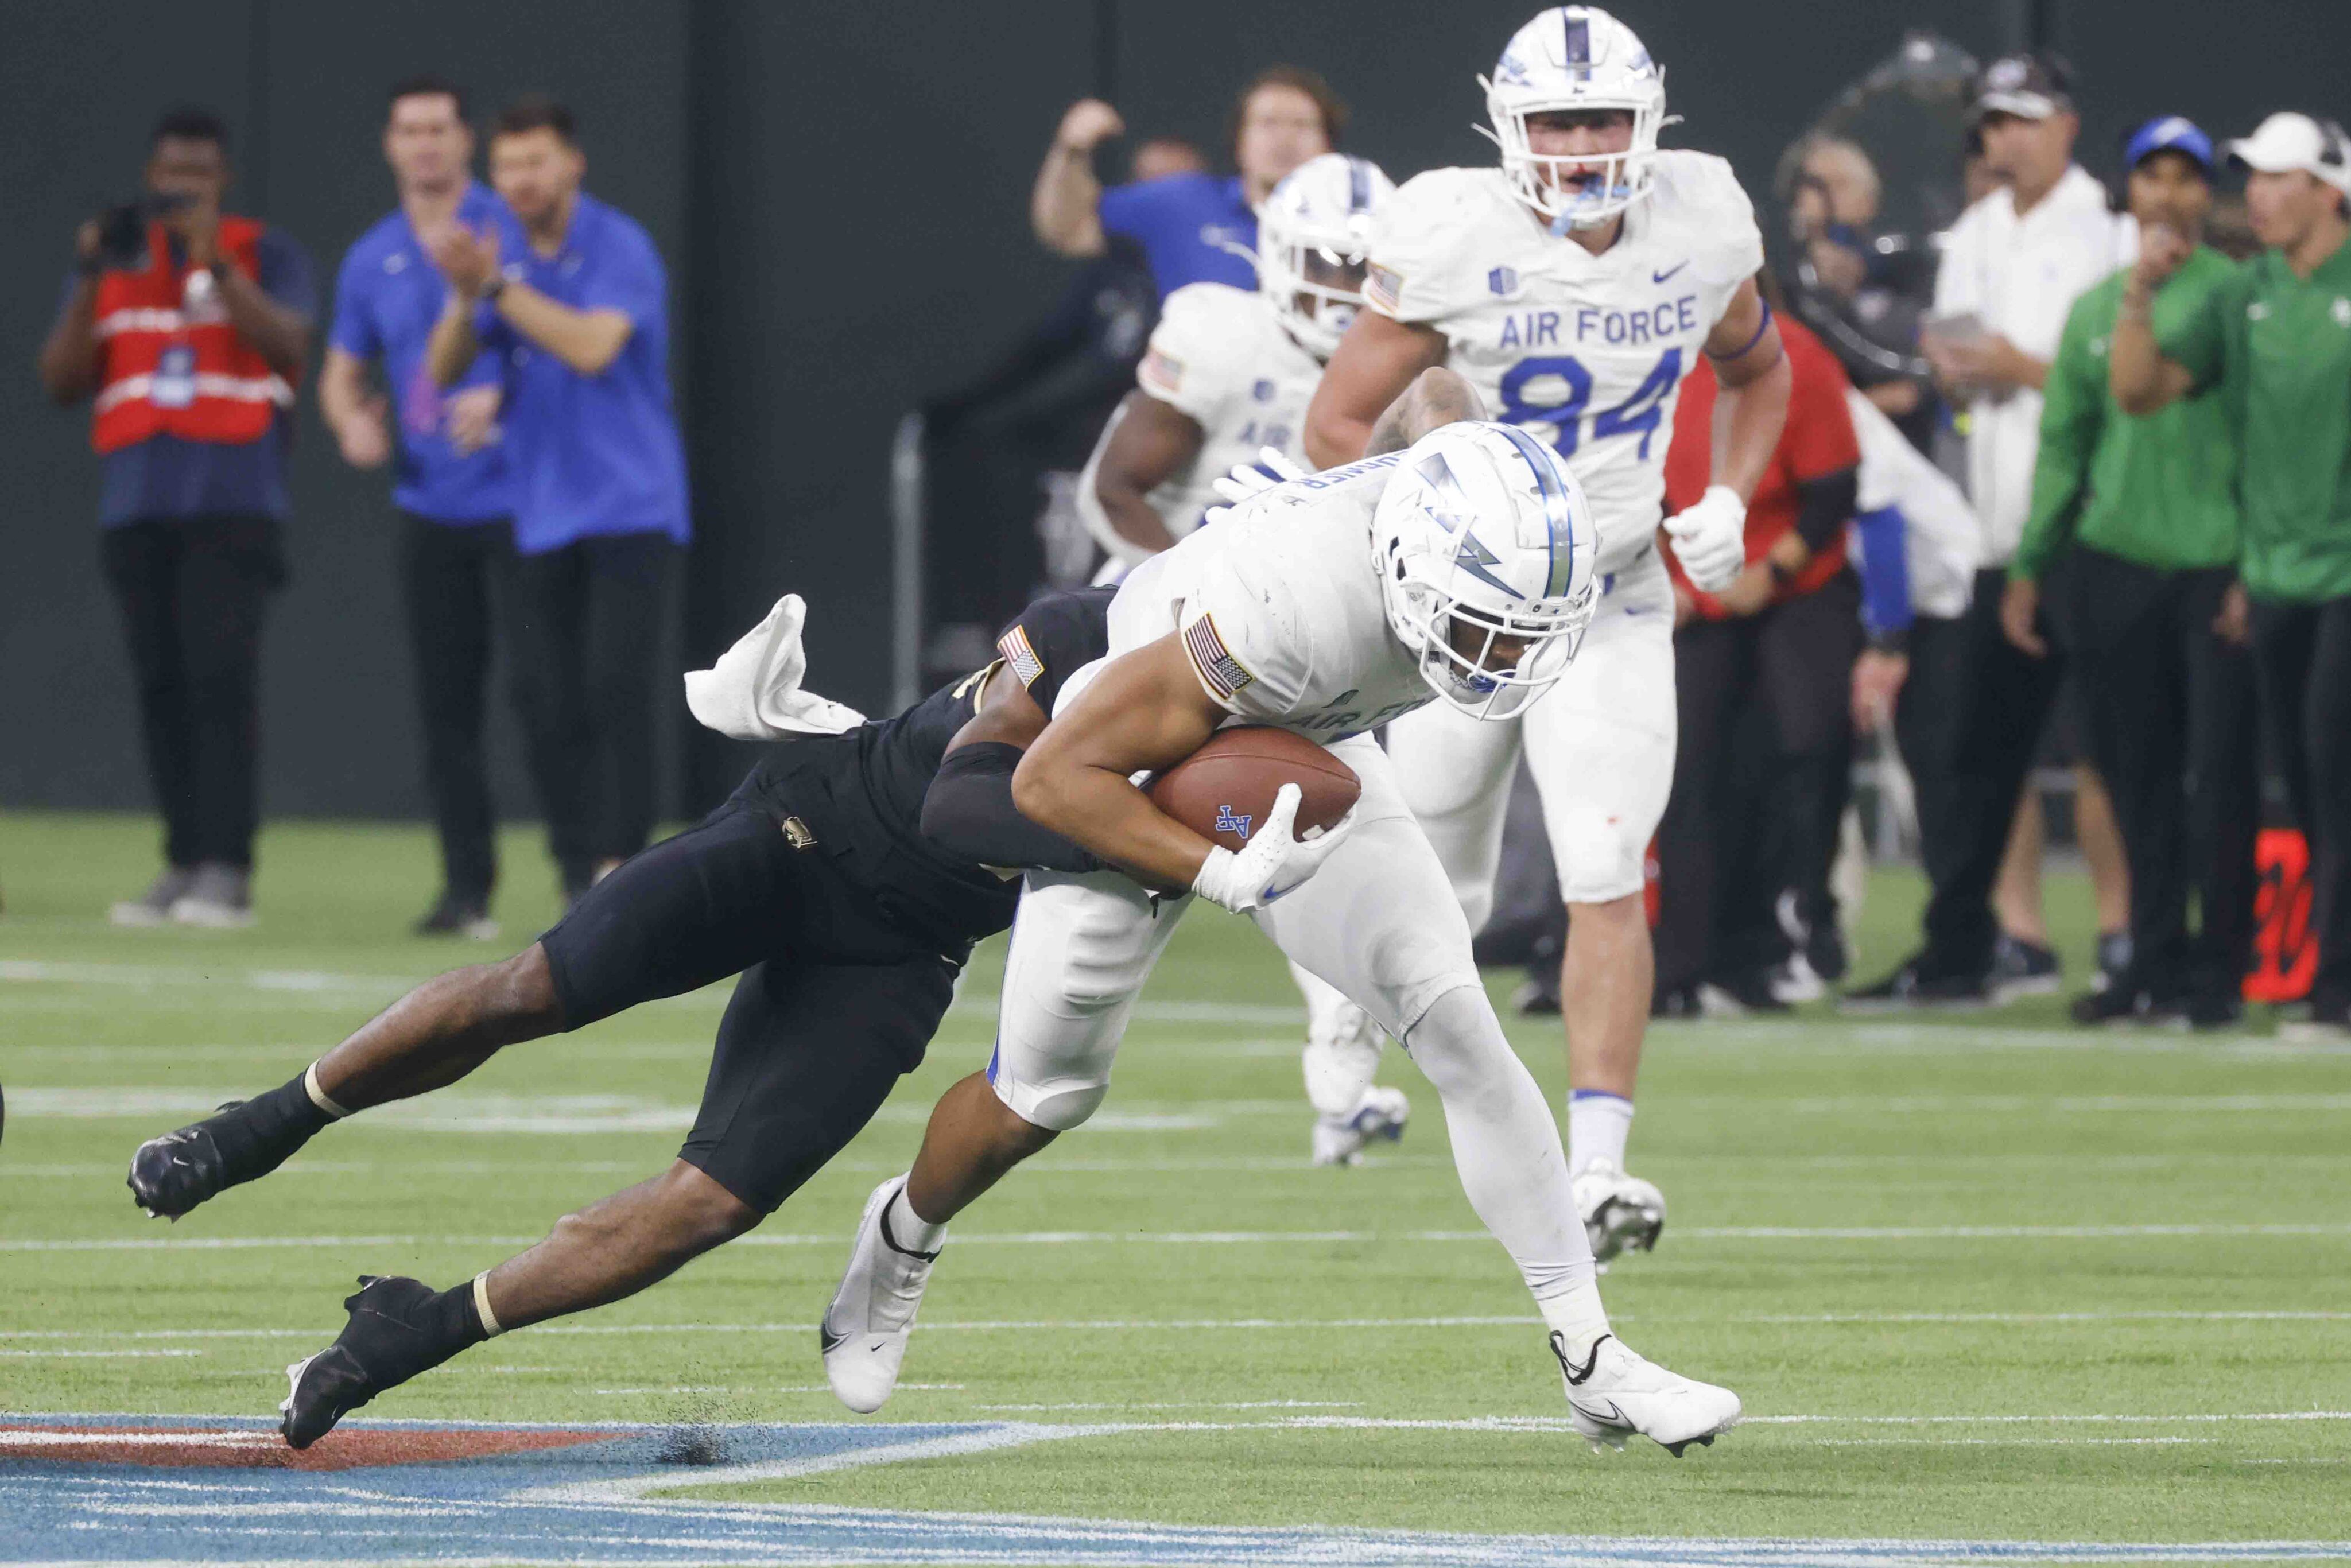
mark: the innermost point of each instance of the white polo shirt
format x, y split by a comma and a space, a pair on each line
2020, 275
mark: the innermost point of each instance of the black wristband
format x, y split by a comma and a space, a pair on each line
492, 289
1895, 641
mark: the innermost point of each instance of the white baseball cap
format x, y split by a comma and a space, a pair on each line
2286, 141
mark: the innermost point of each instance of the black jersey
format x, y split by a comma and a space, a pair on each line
859, 796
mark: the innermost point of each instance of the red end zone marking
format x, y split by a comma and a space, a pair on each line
245, 1448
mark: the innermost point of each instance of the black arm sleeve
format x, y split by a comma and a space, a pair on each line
1824, 506
968, 812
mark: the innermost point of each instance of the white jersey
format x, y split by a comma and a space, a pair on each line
1221, 358
1586, 351
1281, 610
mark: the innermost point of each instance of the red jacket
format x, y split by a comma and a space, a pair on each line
1817, 441
171, 366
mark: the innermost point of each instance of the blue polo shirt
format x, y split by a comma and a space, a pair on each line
1183, 222
164, 477
592, 456
387, 297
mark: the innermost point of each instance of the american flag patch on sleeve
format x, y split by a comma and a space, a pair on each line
1219, 670
1383, 287
1018, 656
1161, 369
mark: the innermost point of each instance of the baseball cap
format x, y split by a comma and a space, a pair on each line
2286, 141
2168, 134
2031, 87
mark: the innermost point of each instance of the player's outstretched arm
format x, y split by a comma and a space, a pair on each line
1376, 361
969, 811
1145, 712
1150, 442
1751, 368
1436, 398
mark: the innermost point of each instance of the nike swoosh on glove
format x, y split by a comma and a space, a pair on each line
1275, 861
1247, 481
1710, 538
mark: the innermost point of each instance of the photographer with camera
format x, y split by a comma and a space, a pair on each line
187, 329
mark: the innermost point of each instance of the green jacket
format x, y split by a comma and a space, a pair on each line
2161, 491
2278, 348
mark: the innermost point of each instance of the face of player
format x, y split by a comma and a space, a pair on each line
426, 143
2028, 155
535, 172
1469, 638
1281, 128
191, 174
1571, 135
2169, 189
2285, 206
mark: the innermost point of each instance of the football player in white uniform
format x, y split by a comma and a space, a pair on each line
1223, 387
1460, 568
1575, 286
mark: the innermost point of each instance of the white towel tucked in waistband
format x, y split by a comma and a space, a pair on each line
753, 693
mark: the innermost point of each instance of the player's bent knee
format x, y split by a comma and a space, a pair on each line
1050, 1107
701, 1212
1599, 861
521, 994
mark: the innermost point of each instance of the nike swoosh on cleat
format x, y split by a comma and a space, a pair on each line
1661, 277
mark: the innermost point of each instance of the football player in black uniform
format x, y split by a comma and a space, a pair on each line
846, 881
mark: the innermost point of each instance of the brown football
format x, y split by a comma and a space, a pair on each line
1223, 790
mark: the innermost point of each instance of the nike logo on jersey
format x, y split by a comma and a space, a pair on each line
1661, 277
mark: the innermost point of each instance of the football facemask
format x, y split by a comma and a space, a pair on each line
1576, 60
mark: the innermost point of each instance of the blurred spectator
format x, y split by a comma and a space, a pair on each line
188, 329
1785, 634
2274, 338
451, 485
1190, 225
2145, 512
1863, 295
570, 294
2012, 266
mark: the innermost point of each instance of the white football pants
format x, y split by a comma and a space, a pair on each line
1599, 744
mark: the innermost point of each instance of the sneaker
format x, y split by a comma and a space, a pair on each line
153, 907
2121, 1000
1615, 1393
1737, 995
1678, 1004
2212, 1010
1379, 1116
2115, 949
454, 916
1619, 1210
1910, 986
1794, 980
864, 1332
1821, 947
385, 1343
1538, 995
219, 898
2022, 969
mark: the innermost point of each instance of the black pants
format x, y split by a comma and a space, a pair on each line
457, 580
2004, 700
835, 1003
2169, 719
1924, 727
588, 645
192, 591
1783, 681
2302, 656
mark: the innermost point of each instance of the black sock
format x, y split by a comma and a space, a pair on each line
454, 1317
257, 1136
402, 1327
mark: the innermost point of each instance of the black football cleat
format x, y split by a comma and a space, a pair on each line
172, 1174
391, 1336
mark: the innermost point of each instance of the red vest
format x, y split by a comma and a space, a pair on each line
174, 367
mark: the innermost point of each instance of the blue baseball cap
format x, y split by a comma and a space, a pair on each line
2169, 134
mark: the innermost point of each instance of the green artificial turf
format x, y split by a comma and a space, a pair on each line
1264, 1335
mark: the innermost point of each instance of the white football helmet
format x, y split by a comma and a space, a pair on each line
1312, 237
1483, 540
1576, 57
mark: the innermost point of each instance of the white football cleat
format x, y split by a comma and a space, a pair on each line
865, 1329
1619, 1210
1617, 1393
1381, 1113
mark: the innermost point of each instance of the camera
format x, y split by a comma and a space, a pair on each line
122, 231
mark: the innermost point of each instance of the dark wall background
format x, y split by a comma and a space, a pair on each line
841, 192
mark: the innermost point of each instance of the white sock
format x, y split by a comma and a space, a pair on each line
1505, 1142
1598, 1123
910, 1231
1577, 1314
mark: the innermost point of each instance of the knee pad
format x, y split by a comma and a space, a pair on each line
1056, 1105
1599, 859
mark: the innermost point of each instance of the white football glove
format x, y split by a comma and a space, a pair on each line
1710, 538
1275, 861
1248, 480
